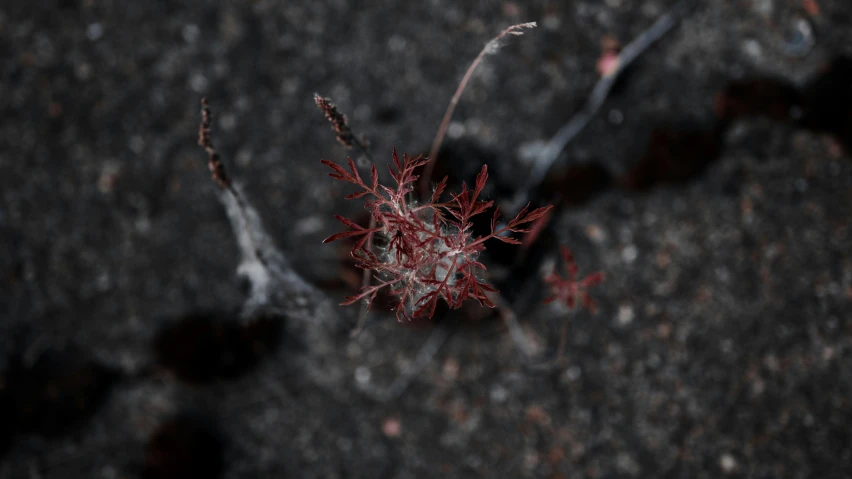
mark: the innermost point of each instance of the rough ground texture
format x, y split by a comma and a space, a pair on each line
723, 344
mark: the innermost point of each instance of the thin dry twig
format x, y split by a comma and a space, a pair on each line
490, 47
544, 161
366, 279
275, 287
220, 175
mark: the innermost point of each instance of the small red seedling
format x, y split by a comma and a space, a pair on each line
569, 291
423, 252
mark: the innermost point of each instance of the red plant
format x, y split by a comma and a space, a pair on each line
426, 252
568, 290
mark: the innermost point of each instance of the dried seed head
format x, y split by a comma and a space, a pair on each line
338, 120
494, 45
214, 162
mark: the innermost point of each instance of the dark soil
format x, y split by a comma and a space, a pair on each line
713, 189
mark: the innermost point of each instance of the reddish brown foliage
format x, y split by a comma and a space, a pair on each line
425, 252
569, 291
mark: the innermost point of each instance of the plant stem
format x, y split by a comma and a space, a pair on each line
489, 47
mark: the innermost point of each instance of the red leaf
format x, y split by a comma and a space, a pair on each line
341, 173
593, 279
495, 218
374, 175
536, 229
480, 296
436, 195
508, 239
357, 195
364, 256
354, 171
345, 234
396, 160
430, 301
348, 222
400, 314
370, 291
589, 303
409, 178
456, 213
476, 264
415, 162
520, 214
480, 207
481, 178
524, 217
567, 255
361, 243
350, 300
387, 190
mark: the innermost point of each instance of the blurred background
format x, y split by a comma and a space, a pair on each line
713, 189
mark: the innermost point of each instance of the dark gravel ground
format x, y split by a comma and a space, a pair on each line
724, 338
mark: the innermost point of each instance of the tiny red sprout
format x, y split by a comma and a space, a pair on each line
569, 291
423, 253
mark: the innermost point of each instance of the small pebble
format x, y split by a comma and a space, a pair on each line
455, 130
595, 233
190, 33
391, 427
615, 117
728, 463
753, 49
551, 22
625, 314
95, 32
397, 44
573, 373
800, 38
451, 369
498, 394
363, 375
629, 253
198, 83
